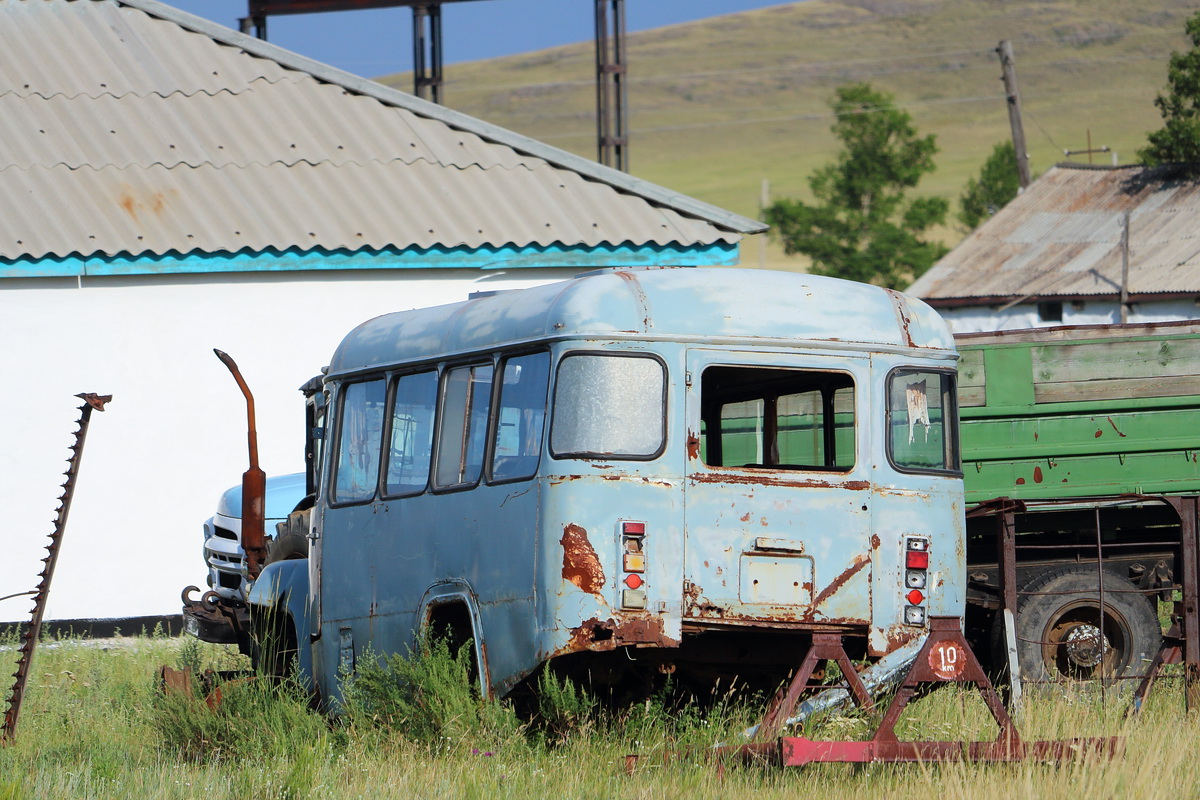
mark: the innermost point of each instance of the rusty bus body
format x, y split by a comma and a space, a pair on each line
671, 470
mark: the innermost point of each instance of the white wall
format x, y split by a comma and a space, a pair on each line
173, 437
970, 319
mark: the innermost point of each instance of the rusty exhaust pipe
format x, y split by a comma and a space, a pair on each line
254, 483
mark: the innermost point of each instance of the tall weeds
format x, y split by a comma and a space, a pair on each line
430, 696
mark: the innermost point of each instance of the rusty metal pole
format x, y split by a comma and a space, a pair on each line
603, 96
420, 71
1100, 606
1007, 558
612, 114
1189, 513
254, 482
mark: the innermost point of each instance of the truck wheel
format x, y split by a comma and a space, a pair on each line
1061, 635
291, 538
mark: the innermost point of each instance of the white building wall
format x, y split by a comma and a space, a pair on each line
972, 319
173, 437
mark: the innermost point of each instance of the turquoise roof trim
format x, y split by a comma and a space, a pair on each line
716, 254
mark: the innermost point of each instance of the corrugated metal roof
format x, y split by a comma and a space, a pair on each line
153, 131
1062, 238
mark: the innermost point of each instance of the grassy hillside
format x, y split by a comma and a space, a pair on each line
720, 105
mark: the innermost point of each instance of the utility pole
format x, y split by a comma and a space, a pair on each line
612, 103
1007, 64
1125, 268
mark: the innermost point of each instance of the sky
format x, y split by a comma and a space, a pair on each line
379, 41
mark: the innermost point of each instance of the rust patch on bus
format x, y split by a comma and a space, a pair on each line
897, 637
580, 563
900, 306
860, 561
600, 635
778, 478
640, 294
693, 445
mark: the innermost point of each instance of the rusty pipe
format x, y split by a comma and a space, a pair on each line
254, 482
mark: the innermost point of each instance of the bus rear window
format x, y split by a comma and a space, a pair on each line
774, 418
609, 406
922, 421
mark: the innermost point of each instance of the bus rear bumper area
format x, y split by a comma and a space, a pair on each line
215, 619
944, 657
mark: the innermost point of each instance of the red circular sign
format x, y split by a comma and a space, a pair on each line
947, 659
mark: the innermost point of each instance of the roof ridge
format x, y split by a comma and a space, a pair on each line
620, 181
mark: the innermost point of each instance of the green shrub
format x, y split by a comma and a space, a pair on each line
562, 707
430, 696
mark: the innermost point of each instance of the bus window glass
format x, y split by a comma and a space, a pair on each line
921, 416
412, 434
359, 439
608, 406
769, 418
462, 436
521, 418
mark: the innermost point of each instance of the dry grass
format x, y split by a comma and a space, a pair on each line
93, 727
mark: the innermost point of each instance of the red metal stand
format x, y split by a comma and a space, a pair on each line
945, 658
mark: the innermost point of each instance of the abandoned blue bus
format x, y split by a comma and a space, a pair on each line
637, 471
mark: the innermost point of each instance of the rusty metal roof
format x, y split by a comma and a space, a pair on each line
1062, 237
151, 131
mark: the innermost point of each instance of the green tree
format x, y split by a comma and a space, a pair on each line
998, 183
1179, 138
862, 226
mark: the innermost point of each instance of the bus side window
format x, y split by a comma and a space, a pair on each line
521, 418
412, 434
462, 434
359, 438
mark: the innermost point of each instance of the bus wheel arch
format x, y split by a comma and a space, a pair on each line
276, 643
451, 612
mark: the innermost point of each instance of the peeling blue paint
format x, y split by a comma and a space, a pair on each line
293, 260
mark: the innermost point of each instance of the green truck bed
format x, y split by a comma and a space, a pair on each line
1080, 411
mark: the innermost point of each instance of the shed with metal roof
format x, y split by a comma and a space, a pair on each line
170, 185
1082, 245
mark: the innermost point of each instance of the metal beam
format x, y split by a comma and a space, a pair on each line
612, 102
427, 51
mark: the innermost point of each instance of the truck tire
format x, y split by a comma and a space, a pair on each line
1058, 632
291, 538
276, 643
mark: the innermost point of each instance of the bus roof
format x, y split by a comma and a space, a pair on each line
717, 304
